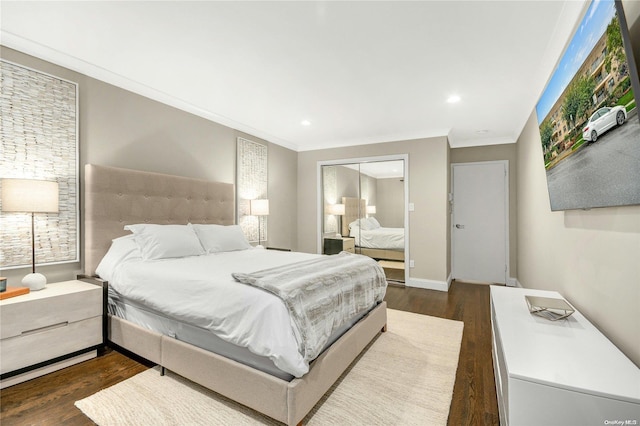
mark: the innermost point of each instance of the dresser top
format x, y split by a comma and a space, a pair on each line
569, 353
52, 290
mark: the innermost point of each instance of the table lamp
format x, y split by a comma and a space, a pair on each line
259, 208
30, 196
337, 210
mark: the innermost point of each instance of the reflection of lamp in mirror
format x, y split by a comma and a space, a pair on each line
371, 210
259, 208
30, 196
336, 210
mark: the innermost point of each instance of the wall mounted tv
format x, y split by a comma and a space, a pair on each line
587, 116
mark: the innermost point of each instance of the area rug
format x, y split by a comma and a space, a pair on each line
404, 377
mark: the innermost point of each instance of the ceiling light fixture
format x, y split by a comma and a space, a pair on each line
453, 99
305, 123
482, 132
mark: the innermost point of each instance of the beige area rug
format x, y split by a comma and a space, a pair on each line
404, 377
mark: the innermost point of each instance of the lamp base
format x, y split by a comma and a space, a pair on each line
35, 281
259, 246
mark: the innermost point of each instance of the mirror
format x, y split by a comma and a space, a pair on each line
363, 211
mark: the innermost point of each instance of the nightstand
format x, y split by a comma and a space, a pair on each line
49, 329
336, 245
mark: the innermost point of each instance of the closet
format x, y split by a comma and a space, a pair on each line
364, 210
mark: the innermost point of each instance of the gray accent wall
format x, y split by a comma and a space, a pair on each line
591, 257
122, 129
390, 202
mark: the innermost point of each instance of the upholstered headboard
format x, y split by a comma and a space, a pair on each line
354, 209
116, 197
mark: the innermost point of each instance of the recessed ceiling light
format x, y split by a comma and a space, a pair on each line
482, 132
453, 99
305, 123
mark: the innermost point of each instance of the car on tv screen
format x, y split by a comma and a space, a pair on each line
603, 120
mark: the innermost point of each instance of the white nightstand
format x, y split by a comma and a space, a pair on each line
50, 329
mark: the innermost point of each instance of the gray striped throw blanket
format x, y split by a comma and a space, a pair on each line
322, 294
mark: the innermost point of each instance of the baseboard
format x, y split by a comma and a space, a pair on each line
429, 284
513, 282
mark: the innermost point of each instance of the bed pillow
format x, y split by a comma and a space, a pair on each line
121, 249
374, 222
354, 224
220, 238
366, 224
165, 241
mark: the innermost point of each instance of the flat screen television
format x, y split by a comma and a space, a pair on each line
587, 116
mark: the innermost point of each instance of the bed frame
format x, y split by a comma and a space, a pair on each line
116, 197
354, 209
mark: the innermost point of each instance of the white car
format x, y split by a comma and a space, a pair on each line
602, 120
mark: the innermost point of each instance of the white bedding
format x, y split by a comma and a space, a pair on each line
378, 238
200, 290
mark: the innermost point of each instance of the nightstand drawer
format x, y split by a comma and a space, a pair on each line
336, 245
55, 304
349, 244
58, 340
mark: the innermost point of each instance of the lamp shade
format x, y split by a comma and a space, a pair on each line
259, 208
371, 209
29, 195
335, 209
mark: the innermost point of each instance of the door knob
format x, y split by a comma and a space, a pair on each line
459, 226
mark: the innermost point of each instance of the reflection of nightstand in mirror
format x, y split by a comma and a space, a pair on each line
336, 245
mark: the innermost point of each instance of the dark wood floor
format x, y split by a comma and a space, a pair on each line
48, 400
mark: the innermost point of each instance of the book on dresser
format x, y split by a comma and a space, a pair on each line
13, 292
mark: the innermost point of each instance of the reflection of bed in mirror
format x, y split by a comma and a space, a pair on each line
375, 241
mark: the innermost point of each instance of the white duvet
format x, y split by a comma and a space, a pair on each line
200, 290
378, 238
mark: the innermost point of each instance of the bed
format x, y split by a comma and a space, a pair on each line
118, 197
378, 242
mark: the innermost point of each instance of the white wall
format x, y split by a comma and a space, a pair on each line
591, 257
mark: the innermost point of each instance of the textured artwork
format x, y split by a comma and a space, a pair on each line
252, 171
330, 191
38, 118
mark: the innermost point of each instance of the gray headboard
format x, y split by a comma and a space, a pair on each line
116, 197
354, 209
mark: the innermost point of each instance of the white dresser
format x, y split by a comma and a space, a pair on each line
49, 329
558, 372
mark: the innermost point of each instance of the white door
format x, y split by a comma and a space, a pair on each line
479, 235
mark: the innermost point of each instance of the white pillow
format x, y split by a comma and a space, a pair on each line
219, 238
121, 249
374, 222
366, 225
165, 241
354, 224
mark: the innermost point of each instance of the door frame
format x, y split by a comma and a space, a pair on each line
507, 272
338, 162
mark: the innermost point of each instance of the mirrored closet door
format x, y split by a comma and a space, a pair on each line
363, 211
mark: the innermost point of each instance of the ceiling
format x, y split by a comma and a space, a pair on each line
358, 72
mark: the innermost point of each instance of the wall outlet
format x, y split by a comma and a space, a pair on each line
412, 264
